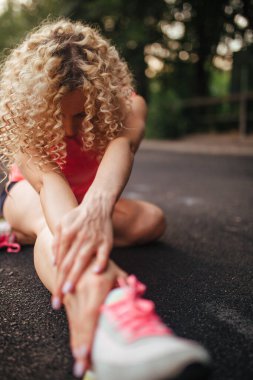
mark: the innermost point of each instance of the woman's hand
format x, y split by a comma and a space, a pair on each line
83, 310
83, 233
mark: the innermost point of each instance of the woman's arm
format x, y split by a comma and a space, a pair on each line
56, 196
93, 225
116, 165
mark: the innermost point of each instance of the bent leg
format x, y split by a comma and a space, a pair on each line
77, 305
134, 221
137, 222
22, 210
83, 304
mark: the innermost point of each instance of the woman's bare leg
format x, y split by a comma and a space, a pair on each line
137, 222
134, 222
77, 305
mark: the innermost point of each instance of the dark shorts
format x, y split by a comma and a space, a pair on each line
4, 195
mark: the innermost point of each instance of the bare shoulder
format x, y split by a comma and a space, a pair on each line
135, 122
139, 106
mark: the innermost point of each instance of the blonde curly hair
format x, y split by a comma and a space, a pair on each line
55, 58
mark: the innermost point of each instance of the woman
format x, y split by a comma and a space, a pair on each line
70, 126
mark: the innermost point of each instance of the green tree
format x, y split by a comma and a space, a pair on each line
208, 30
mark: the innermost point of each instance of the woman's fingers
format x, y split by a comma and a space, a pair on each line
98, 288
68, 276
62, 273
121, 279
76, 261
75, 244
65, 233
83, 260
83, 309
80, 264
82, 351
66, 238
102, 257
69, 258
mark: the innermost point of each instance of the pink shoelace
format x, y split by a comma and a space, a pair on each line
8, 240
135, 316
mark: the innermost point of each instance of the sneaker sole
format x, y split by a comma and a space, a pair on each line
194, 371
186, 361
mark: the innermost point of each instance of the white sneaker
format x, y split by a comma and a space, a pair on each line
131, 342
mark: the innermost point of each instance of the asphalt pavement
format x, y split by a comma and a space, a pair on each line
200, 275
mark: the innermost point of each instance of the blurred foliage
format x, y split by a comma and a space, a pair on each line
177, 49
219, 82
164, 112
19, 18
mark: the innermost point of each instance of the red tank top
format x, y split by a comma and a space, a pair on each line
80, 168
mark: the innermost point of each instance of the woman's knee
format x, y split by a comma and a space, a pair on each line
155, 223
159, 222
149, 226
43, 258
44, 236
22, 210
30, 237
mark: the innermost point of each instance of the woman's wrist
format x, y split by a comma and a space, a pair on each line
103, 200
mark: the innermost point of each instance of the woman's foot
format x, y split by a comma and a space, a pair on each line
83, 308
132, 343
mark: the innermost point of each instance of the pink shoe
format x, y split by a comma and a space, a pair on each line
132, 343
9, 240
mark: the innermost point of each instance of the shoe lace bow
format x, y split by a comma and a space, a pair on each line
8, 240
135, 316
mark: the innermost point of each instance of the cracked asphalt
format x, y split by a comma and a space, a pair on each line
200, 275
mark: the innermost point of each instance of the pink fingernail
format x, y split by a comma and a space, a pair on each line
56, 303
78, 369
67, 287
96, 269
